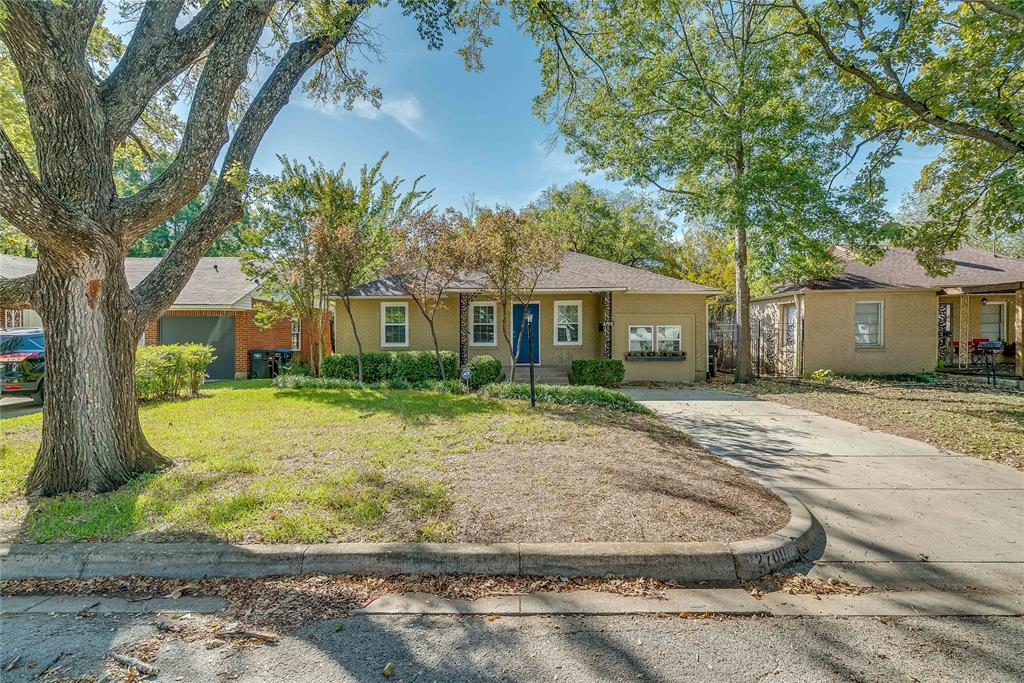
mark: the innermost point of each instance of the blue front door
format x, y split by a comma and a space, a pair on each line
521, 346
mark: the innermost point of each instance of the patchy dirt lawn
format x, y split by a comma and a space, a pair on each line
956, 415
258, 464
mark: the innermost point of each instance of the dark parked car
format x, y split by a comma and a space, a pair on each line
22, 358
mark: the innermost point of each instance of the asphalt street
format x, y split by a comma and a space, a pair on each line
454, 648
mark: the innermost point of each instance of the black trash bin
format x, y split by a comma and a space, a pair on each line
260, 363
284, 359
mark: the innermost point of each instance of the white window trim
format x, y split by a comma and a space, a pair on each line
392, 304
494, 325
881, 325
578, 303
1002, 319
657, 337
654, 335
296, 333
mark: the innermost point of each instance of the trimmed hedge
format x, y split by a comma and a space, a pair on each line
483, 370
381, 366
168, 370
598, 372
451, 386
565, 395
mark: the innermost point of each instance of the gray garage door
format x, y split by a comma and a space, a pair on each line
216, 330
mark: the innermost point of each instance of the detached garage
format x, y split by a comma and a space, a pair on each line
216, 330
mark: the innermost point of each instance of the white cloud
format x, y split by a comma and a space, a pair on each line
404, 110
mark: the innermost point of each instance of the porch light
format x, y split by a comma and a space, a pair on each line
984, 300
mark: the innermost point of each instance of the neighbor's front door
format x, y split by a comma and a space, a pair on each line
522, 347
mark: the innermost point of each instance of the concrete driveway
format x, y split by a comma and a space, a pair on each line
13, 406
896, 512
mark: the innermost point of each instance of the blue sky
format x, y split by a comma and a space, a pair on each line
466, 132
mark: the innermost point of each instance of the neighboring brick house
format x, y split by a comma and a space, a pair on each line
892, 317
217, 306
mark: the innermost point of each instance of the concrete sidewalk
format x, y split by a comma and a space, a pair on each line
896, 512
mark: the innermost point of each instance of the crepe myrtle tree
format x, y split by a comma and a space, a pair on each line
91, 437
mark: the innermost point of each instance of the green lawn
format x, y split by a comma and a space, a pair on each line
964, 417
259, 464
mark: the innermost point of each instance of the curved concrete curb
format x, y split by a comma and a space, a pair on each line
720, 563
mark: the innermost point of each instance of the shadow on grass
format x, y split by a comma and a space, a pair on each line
410, 406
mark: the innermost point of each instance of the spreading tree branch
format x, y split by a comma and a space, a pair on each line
161, 287
1000, 9
157, 53
900, 96
38, 213
17, 292
206, 130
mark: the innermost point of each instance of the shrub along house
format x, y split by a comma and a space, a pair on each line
587, 308
891, 317
217, 306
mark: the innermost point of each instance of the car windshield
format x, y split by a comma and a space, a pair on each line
24, 343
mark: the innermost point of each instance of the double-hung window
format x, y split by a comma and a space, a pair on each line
394, 324
296, 333
568, 321
868, 323
641, 338
669, 338
484, 315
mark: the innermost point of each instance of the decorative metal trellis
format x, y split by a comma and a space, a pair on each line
775, 347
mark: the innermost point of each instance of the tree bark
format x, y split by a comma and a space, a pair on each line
91, 435
355, 334
437, 350
744, 366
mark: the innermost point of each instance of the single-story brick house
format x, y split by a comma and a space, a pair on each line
891, 317
217, 306
587, 308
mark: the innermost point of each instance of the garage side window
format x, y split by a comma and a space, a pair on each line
394, 324
670, 338
868, 323
641, 338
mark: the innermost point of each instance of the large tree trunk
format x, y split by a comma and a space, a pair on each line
744, 366
91, 434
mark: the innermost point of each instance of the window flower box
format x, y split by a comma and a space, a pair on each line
656, 355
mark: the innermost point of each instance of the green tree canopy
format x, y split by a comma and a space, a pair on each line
625, 227
934, 72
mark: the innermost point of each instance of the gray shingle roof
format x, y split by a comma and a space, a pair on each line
216, 281
899, 269
577, 271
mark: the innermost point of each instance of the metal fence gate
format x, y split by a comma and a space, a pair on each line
776, 346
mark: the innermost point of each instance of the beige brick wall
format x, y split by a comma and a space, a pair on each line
909, 337
688, 310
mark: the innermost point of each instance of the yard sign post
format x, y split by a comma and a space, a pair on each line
529, 345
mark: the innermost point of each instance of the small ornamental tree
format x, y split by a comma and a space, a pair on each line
352, 233
430, 250
281, 253
513, 250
